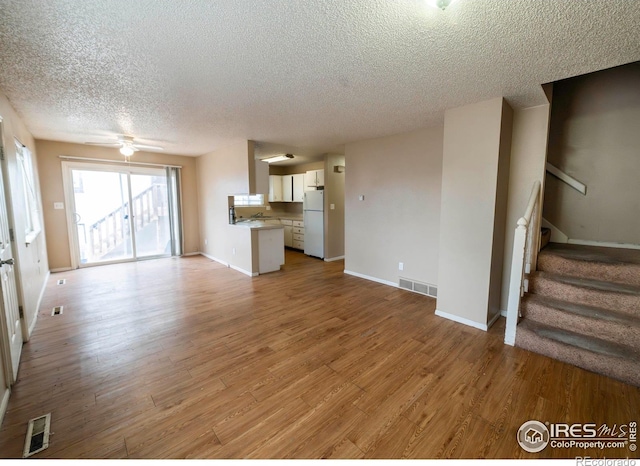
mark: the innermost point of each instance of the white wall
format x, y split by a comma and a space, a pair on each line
398, 221
471, 208
31, 259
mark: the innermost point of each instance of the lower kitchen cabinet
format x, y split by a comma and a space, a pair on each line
293, 233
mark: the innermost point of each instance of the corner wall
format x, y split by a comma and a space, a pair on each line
595, 138
334, 219
222, 173
528, 157
475, 165
398, 220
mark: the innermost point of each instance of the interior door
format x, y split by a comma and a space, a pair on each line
11, 326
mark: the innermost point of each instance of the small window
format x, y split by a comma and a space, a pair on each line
32, 214
246, 200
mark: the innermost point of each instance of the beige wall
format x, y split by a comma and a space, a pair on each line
595, 138
471, 211
50, 166
398, 221
528, 157
333, 219
222, 173
31, 259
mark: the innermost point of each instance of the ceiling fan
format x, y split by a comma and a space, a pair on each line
127, 145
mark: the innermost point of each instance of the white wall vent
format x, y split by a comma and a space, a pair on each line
418, 287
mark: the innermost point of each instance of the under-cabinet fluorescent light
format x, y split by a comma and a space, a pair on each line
278, 158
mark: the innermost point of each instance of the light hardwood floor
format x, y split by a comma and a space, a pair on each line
184, 358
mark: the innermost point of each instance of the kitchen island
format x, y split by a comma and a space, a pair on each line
261, 247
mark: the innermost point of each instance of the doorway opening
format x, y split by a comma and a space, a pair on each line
119, 214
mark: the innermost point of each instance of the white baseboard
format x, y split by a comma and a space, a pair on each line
332, 259
226, 264
35, 317
603, 244
493, 319
503, 314
373, 279
255, 274
62, 269
4, 403
462, 320
215, 259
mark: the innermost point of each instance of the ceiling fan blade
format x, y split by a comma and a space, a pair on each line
145, 146
115, 144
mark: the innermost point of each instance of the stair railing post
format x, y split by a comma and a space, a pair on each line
515, 281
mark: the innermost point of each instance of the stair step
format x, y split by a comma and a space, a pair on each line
593, 354
609, 264
593, 321
606, 295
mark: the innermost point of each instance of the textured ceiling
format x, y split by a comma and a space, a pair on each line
310, 74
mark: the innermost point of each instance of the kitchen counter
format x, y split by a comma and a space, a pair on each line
258, 225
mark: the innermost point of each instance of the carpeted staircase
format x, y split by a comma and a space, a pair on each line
583, 307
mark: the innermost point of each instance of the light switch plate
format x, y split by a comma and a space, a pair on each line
58, 205
332, 206
361, 197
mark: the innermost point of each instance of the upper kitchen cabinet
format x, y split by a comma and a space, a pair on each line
275, 188
298, 187
287, 188
314, 179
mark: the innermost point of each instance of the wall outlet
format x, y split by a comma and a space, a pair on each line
361, 197
205, 241
332, 206
58, 205
233, 251
268, 207
400, 265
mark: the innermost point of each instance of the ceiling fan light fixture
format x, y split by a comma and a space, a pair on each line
278, 158
127, 150
442, 4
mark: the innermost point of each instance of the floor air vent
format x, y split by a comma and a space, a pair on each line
62, 281
37, 435
418, 287
57, 310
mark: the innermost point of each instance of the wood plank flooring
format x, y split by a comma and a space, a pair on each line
185, 358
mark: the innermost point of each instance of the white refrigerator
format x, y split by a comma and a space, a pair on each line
314, 223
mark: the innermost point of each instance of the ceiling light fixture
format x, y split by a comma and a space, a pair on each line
278, 158
127, 150
442, 4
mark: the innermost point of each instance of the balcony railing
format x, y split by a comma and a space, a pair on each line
112, 230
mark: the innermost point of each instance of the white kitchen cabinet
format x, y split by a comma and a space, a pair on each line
298, 187
288, 232
275, 188
270, 250
314, 178
287, 188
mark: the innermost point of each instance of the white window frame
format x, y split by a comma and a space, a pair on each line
29, 192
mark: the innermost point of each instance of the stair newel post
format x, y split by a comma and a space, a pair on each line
515, 281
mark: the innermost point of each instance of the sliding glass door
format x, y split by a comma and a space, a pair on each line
118, 214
